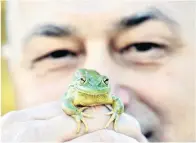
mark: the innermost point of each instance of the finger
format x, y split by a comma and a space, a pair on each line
42, 112
47, 110
63, 127
127, 124
104, 136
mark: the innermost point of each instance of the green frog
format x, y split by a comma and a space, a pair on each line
89, 88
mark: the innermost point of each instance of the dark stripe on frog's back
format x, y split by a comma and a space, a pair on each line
91, 100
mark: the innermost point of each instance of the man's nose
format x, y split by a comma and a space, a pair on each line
99, 58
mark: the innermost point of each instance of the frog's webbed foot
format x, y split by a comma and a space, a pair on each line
76, 113
114, 118
118, 109
80, 118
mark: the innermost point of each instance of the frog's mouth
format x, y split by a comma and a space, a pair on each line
102, 91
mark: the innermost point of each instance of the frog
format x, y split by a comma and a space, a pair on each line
89, 88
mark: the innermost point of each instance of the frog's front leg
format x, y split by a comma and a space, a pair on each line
69, 108
118, 109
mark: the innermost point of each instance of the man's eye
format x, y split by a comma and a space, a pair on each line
141, 47
61, 54
57, 54
143, 53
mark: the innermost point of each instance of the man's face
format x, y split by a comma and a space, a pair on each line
144, 48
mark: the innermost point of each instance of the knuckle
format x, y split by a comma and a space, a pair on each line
15, 132
8, 118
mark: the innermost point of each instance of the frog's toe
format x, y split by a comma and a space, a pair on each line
85, 124
109, 113
115, 123
78, 128
110, 120
83, 108
78, 121
87, 115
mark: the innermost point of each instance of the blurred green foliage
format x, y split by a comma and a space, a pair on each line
3, 31
7, 94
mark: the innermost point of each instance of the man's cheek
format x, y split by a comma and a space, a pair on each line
40, 90
52, 88
160, 91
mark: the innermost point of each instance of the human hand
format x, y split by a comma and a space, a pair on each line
49, 123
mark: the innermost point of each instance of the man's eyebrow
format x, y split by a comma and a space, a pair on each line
141, 17
51, 30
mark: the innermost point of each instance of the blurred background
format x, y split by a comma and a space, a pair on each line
7, 94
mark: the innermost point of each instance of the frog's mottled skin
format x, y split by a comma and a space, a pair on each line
89, 88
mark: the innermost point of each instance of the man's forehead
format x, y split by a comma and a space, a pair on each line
88, 6
44, 10
77, 6
33, 12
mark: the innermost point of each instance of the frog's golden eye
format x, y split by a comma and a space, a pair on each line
82, 80
106, 80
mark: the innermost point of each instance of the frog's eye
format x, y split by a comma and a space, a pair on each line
82, 80
106, 80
